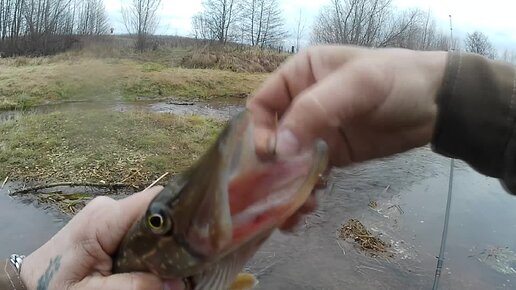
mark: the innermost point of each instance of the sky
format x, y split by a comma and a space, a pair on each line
495, 18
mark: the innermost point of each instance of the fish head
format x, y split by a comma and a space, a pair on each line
217, 214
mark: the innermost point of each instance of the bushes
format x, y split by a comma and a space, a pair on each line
233, 59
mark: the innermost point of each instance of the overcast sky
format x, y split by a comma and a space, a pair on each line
496, 18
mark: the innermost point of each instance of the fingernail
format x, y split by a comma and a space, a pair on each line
287, 143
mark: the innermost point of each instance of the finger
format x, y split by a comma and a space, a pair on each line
320, 111
132, 208
135, 205
295, 76
114, 218
292, 78
129, 281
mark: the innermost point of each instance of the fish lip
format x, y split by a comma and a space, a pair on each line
318, 157
201, 209
235, 147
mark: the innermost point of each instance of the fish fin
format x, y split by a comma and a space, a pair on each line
244, 281
224, 272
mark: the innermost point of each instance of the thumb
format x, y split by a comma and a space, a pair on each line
129, 281
323, 109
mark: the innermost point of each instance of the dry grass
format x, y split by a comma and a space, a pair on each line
102, 146
38, 81
69, 204
237, 60
355, 230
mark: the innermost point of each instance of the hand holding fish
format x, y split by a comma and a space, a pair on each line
364, 103
79, 256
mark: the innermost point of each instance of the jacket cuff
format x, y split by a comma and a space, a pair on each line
9, 277
476, 115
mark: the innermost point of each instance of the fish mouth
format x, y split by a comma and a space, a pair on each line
257, 195
263, 197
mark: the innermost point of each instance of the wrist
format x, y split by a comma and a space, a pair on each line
434, 66
27, 274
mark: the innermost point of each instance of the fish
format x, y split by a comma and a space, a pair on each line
208, 222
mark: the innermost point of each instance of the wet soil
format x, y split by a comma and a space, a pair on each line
401, 200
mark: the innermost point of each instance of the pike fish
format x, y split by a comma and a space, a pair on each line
205, 225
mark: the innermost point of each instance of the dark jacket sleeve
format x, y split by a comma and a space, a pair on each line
9, 278
476, 116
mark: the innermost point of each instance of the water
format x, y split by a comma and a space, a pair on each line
410, 190
410, 215
24, 228
214, 109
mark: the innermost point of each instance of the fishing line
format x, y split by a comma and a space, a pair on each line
440, 258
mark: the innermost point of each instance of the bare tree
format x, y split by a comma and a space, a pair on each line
421, 32
200, 27
35, 26
40, 27
377, 23
359, 22
218, 20
479, 43
262, 24
91, 17
141, 19
508, 56
300, 29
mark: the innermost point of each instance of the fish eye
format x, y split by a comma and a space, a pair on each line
158, 222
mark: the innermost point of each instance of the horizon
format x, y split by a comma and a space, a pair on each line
175, 19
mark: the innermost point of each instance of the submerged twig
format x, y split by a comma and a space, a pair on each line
369, 268
156, 181
340, 246
5, 181
178, 103
385, 190
72, 184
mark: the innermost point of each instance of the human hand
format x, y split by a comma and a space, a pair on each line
365, 103
79, 255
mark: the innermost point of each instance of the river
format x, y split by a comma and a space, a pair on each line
410, 191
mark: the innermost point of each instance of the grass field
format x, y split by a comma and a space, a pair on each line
26, 83
102, 146
112, 147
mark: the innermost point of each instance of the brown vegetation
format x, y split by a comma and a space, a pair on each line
237, 60
355, 230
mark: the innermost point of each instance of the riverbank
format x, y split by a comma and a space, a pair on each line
102, 146
28, 82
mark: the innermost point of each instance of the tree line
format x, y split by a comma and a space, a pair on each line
256, 23
40, 27
43, 27
372, 23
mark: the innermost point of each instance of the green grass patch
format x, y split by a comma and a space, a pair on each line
102, 146
93, 79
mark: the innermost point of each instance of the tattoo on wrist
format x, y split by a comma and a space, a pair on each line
46, 278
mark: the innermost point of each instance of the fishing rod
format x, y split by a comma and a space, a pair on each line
440, 258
